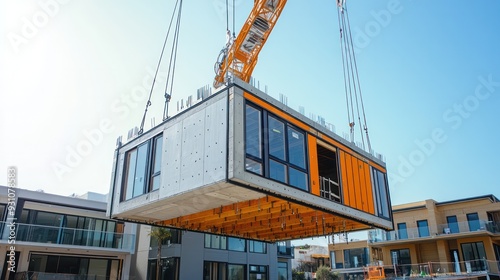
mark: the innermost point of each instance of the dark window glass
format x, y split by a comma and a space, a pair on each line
402, 258
253, 132
423, 228
277, 171
296, 148
381, 193
275, 149
156, 170
473, 219
282, 271
402, 232
276, 133
258, 272
474, 255
235, 272
135, 174
452, 224
130, 163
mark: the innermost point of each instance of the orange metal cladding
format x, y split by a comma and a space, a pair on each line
313, 165
269, 218
242, 56
356, 183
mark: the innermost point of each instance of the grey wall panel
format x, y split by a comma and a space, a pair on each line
191, 266
215, 145
171, 161
192, 147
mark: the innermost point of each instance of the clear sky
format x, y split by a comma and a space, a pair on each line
74, 75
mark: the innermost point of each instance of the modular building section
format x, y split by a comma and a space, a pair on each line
240, 163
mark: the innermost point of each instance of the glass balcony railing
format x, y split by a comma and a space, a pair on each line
452, 228
69, 236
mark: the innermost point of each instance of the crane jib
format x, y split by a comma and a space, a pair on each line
255, 35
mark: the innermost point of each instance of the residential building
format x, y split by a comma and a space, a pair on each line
195, 255
308, 258
58, 237
458, 236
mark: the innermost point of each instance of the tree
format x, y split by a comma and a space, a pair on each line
298, 275
160, 234
323, 273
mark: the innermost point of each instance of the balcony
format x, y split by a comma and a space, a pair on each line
70, 236
442, 229
285, 251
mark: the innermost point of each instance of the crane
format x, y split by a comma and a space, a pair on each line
240, 57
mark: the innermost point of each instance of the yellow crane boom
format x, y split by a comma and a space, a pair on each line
241, 57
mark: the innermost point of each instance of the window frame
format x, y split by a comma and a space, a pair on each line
382, 203
252, 247
421, 228
292, 171
149, 169
402, 230
452, 225
474, 224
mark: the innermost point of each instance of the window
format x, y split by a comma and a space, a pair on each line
402, 259
423, 228
474, 254
355, 257
236, 244
258, 272
236, 272
278, 154
282, 271
257, 247
214, 271
175, 238
156, 164
381, 193
452, 224
139, 162
402, 232
169, 269
473, 220
215, 241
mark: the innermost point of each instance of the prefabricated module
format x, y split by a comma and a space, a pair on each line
240, 163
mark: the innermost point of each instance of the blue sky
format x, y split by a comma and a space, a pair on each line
78, 72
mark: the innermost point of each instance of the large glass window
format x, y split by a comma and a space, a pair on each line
156, 164
282, 271
258, 272
236, 244
169, 269
214, 271
142, 168
215, 241
257, 247
280, 153
381, 193
402, 232
236, 272
473, 220
402, 259
355, 257
452, 224
423, 228
474, 254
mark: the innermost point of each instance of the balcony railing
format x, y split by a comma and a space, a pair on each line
329, 189
285, 252
69, 236
452, 228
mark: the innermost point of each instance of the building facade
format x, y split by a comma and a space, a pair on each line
194, 255
452, 237
57, 237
